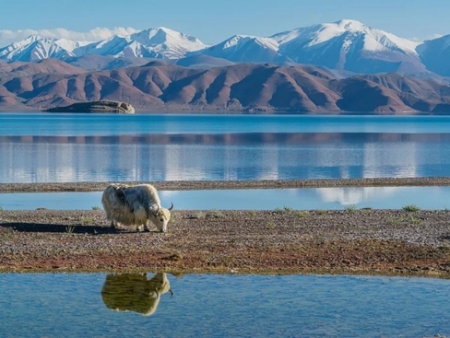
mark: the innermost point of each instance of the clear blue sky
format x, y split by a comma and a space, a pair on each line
214, 20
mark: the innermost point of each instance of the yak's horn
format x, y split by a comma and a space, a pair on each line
171, 206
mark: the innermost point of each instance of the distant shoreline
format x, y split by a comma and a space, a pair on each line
169, 110
241, 184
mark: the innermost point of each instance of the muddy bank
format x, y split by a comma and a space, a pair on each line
254, 184
279, 241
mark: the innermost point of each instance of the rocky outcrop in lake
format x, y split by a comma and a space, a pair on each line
96, 107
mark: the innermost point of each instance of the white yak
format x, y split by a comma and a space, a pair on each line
134, 205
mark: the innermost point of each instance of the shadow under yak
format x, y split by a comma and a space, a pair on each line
65, 228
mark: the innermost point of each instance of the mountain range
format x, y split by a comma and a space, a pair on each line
340, 67
346, 46
243, 87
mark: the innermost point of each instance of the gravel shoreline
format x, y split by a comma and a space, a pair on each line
253, 184
365, 241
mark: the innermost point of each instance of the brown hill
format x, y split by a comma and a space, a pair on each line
162, 87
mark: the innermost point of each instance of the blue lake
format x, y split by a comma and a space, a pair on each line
251, 199
101, 305
74, 148
44, 124
99, 148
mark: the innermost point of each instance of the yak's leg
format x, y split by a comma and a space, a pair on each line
140, 217
114, 225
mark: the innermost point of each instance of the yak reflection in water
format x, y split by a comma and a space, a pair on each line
135, 292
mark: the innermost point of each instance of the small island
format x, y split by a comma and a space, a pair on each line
109, 107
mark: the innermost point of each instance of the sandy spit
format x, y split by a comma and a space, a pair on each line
254, 184
365, 241
389, 242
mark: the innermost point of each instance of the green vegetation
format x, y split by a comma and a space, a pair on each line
70, 229
414, 220
271, 226
302, 213
351, 208
173, 216
278, 210
96, 207
391, 220
287, 209
411, 208
87, 220
198, 215
217, 214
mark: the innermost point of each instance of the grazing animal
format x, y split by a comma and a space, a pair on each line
134, 205
135, 292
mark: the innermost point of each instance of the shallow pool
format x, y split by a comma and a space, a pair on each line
251, 199
208, 305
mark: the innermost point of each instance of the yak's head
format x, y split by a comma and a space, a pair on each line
160, 217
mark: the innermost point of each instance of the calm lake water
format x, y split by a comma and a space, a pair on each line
100, 305
73, 148
89, 147
251, 199
45, 124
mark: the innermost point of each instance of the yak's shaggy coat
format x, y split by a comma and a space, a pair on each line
134, 205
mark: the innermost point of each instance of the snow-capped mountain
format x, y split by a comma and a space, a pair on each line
435, 55
349, 45
36, 47
159, 42
247, 48
117, 46
374, 40
162, 43
345, 45
167, 42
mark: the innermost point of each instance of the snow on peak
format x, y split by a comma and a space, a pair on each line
157, 42
25, 42
236, 40
36, 47
341, 36
349, 30
351, 25
164, 38
70, 45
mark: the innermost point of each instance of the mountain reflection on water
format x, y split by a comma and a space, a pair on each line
231, 138
135, 292
229, 156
